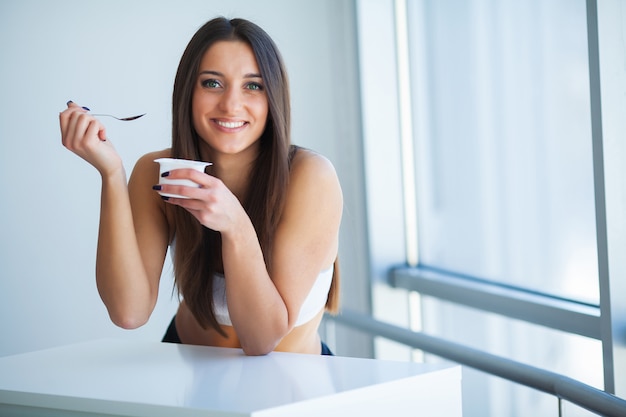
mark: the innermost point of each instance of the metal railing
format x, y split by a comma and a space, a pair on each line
569, 389
517, 303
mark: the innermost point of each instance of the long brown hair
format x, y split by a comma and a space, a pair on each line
198, 254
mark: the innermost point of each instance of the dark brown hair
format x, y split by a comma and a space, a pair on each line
198, 253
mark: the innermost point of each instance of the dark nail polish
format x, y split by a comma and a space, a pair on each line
165, 198
165, 174
156, 187
69, 102
86, 108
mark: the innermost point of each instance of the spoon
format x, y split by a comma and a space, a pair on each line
124, 119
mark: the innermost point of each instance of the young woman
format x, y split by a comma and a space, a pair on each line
255, 244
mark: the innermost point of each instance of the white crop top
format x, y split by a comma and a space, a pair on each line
312, 305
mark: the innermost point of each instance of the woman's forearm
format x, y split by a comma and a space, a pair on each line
121, 277
257, 311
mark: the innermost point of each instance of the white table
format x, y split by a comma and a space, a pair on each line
131, 378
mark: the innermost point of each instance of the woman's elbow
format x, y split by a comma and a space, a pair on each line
129, 313
258, 349
260, 344
261, 339
128, 321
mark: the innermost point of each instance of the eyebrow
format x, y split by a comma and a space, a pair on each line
219, 74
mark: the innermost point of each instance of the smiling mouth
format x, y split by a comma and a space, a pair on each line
230, 125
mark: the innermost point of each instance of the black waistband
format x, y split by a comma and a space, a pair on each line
171, 336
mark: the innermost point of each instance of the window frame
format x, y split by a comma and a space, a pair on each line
604, 322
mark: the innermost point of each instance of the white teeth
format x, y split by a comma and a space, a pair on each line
230, 125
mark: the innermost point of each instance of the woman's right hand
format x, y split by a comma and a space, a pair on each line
84, 135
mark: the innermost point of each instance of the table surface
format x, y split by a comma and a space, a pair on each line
122, 377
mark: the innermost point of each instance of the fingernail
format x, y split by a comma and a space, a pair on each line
69, 102
164, 197
165, 174
156, 187
86, 108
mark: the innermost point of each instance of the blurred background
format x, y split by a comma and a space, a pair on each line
464, 144
120, 57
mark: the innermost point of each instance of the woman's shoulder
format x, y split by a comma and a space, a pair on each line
307, 161
314, 172
145, 165
151, 156
146, 162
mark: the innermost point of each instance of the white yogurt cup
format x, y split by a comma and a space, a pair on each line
170, 164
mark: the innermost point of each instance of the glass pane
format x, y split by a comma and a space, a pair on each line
570, 410
503, 142
567, 354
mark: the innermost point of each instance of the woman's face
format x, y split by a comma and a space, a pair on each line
229, 104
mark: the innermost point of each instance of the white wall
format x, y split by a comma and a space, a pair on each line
120, 57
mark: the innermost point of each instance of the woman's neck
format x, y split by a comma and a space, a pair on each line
234, 171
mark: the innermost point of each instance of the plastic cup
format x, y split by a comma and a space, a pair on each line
170, 164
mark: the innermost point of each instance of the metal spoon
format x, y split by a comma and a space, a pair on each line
124, 119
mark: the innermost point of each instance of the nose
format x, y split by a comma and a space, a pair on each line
232, 100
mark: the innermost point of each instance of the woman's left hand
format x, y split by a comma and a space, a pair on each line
212, 203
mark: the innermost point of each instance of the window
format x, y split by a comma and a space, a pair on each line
507, 183
503, 143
